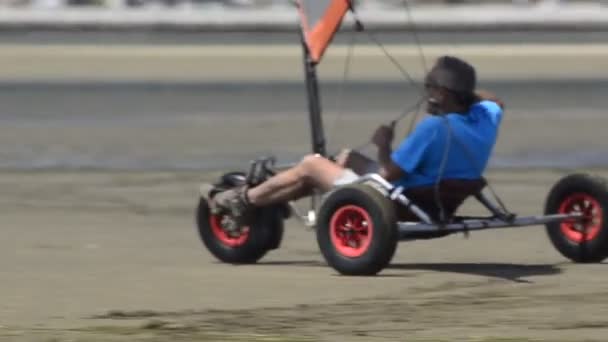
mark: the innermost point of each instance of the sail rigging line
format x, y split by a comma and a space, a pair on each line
414, 30
347, 64
469, 156
359, 27
386, 53
405, 113
442, 168
417, 40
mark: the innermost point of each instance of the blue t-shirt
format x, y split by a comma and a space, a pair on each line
473, 137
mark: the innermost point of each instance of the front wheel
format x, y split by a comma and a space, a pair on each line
586, 239
243, 246
356, 230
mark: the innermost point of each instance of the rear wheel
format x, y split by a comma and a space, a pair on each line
585, 239
242, 246
356, 230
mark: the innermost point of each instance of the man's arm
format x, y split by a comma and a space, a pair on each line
388, 169
383, 138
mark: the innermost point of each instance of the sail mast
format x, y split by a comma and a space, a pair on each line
314, 103
320, 20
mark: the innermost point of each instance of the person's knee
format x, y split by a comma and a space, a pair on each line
307, 165
309, 161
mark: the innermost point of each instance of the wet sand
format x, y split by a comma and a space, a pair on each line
252, 63
114, 256
218, 126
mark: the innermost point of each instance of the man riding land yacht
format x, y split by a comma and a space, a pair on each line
456, 111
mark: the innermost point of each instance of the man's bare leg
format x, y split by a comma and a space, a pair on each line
312, 172
280, 188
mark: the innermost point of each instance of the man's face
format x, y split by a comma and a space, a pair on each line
435, 98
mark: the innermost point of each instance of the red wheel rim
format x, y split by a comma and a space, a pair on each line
351, 231
587, 228
229, 239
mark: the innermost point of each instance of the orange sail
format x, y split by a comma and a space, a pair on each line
320, 19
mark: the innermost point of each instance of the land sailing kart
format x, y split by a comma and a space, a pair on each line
358, 228
359, 225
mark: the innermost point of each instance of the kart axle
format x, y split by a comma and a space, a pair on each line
407, 228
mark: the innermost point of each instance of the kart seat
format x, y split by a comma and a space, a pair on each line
452, 194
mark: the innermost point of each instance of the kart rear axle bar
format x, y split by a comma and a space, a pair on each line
406, 228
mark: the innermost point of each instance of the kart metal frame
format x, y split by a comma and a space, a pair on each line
409, 229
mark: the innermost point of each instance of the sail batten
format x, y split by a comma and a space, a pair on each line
320, 19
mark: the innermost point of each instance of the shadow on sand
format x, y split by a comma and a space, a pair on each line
512, 272
507, 271
296, 263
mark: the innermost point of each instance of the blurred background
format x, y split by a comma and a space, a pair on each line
211, 84
169, 91
243, 3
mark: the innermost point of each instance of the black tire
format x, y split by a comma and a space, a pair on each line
376, 251
264, 235
587, 241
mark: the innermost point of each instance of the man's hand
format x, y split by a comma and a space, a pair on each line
486, 95
342, 157
383, 137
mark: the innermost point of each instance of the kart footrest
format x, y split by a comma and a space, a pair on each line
260, 170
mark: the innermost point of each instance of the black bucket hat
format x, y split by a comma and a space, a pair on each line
453, 74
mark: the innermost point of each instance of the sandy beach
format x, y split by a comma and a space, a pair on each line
114, 256
103, 149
